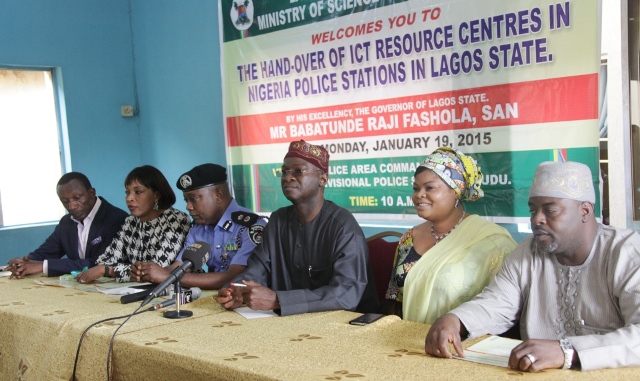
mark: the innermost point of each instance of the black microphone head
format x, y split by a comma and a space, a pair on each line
198, 254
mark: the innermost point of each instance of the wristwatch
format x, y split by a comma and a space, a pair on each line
106, 270
568, 350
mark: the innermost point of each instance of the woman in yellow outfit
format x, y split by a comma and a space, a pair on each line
452, 256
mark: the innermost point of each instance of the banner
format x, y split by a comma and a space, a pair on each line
383, 83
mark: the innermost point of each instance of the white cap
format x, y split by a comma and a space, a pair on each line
569, 180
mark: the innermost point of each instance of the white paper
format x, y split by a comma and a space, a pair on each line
51, 283
122, 290
254, 314
494, 350
4, 271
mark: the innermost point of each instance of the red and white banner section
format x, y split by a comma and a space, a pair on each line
381, 84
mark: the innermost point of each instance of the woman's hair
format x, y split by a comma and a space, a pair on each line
419, 170
153, 179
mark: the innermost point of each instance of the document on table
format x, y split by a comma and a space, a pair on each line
254, 314
68, 282
494, 350
125, 290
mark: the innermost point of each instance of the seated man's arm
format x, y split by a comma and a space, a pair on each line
492, 311
343, 290
446, 329
104, 228
534, 355
63, 266
346, 286
53, 250
249, 238
497, 307
21, 267
606, 347
206, 281
257, 270
620, 347
53, 247
212, 280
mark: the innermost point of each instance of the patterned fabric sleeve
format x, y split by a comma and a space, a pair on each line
159, 241
394, 292
114, 252
171, 235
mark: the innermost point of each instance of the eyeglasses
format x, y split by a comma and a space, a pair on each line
297, 173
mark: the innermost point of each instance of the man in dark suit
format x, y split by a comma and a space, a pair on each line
82, 235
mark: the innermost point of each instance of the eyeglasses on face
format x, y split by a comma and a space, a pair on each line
297, 172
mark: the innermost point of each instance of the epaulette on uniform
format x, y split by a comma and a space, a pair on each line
244, 218
249, 220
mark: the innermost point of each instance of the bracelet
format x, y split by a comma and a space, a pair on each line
106, 270
568, 350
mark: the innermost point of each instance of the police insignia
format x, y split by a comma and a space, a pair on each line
255, 234
244, 218
185, 181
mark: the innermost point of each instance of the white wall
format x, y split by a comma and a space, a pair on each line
614, 49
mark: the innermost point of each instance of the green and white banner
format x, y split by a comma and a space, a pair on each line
381, 84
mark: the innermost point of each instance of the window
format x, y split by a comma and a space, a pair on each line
30, 149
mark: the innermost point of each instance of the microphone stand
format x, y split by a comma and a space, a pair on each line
178, 314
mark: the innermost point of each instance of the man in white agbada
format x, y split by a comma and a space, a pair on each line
574, 285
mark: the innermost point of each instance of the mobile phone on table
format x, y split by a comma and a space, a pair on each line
366, 319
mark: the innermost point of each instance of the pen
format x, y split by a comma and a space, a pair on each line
238, 284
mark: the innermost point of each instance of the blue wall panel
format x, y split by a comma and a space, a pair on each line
90, 43
178, 75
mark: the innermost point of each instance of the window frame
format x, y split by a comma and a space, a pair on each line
62, 129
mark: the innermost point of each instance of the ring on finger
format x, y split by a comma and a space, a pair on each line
531, 358
142, 273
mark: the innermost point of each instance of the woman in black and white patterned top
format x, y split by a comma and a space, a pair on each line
154, 232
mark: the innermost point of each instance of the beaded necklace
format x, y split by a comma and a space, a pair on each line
441, 237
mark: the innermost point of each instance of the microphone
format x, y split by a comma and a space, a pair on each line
145, 290
194, 256
186, 296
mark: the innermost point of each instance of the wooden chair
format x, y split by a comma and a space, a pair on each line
381, 253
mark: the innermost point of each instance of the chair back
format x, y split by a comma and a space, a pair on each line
381, 253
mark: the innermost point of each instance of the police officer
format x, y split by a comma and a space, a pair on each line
231, 230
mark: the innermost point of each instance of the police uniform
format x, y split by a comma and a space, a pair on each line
237, 232
232, 239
